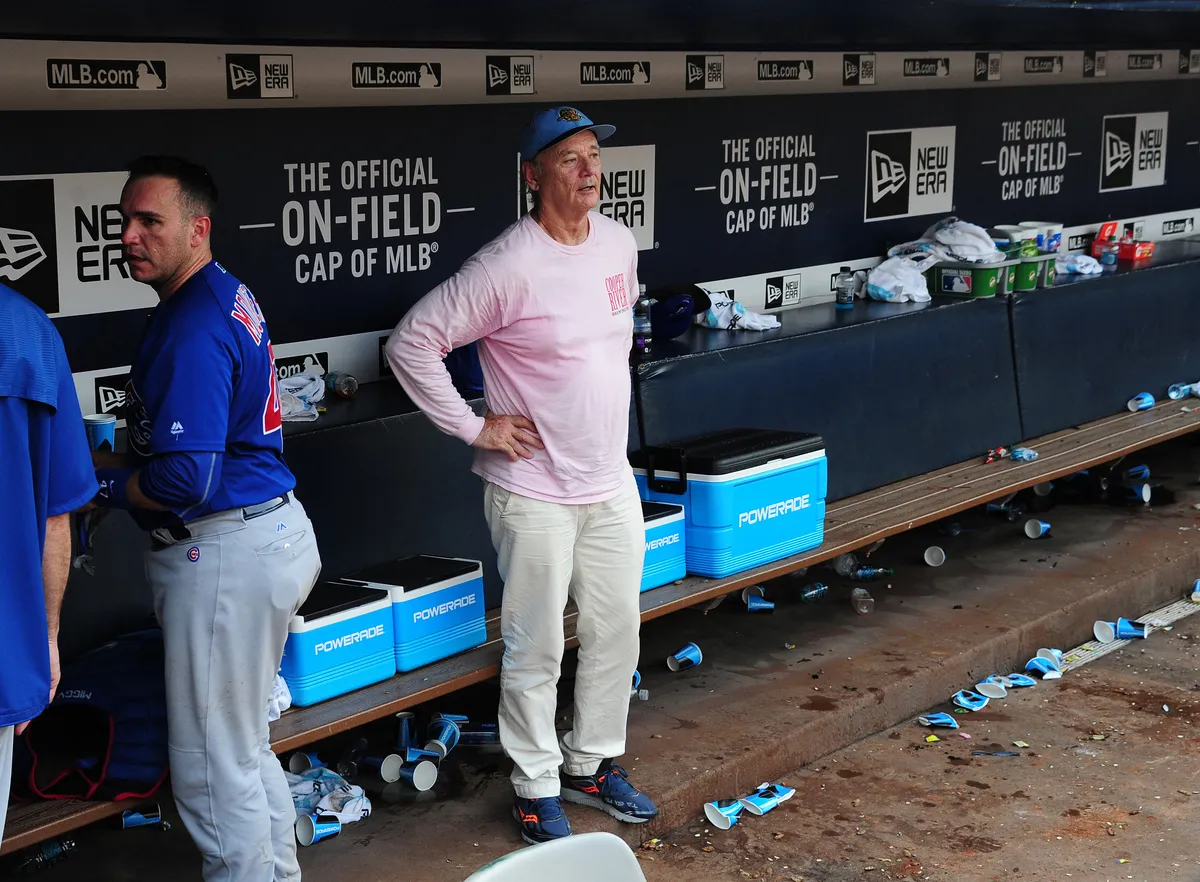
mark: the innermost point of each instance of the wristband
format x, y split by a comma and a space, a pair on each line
112, 487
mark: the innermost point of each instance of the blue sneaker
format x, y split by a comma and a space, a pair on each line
541, 820
610, 791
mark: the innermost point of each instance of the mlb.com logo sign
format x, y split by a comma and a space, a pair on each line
1133, 151
910, 172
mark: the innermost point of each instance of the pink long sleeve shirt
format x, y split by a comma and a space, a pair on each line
554, 324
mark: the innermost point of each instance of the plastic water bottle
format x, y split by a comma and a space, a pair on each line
862, 601
1109, 255
641, 321
814, 592
845, 564
42, 856
844, 286
341, 384
870, 574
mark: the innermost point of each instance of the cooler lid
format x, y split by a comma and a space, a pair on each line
656, 511
415, 572
733, 450
330, 598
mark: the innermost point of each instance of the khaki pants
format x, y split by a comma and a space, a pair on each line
548, 552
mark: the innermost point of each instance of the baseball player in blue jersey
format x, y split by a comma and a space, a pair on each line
233, 555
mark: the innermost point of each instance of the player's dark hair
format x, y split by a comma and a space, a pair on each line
197, 190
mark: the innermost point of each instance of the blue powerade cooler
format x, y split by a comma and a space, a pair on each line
339, 641
437, 606
751, 496
665, 559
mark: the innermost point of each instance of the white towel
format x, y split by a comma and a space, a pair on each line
299, 394
1077, 263
897, 280
281, 699
726, 314
322, 791
965, 241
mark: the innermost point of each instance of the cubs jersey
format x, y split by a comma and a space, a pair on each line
204, 381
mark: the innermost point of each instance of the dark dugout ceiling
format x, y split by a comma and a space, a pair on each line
697, 24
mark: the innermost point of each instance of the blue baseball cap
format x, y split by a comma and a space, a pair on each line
555, 124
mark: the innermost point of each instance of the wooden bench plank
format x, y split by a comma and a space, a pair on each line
851, 524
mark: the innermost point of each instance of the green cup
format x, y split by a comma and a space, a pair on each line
1027, 275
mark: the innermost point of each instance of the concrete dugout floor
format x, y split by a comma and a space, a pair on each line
758, 710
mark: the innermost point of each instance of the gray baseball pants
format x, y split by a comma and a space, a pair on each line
224, 596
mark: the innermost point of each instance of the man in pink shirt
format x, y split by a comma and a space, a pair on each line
550, 302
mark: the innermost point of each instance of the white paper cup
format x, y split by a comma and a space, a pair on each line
1105, 632
934, 556
991, 689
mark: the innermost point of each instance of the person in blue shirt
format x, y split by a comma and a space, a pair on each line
46, 472
233, 554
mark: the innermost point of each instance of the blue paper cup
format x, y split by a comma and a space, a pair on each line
150, 817
1044, 489
101, 431
1128, 629
759, 604
688, 657
405, 720
1180, 390
752, 591
1036, 529
1054, 656
443, 736
1138, 473
1137, 493
1104, 632
417, 754
723, 813
311, 829
637, 681
421, 776
1141, 401
386, 767
934, 556
301, 761
1194, 597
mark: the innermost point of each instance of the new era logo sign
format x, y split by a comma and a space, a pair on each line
987, 66
704, 72
1095, 63
259, 76
1133, 151
20, 252
782, 291
858, 70
508, 75
910, 172
887, 175
1117, 153
110, 393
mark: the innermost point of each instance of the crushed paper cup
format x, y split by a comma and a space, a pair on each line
1054, 656
969, 700
1045, 667
1021, 680
1104, 632
991, 689
723, 813
938, 719
767, 797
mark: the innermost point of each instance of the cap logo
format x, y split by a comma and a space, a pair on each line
568, 114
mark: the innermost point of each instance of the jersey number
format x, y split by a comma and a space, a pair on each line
272, 414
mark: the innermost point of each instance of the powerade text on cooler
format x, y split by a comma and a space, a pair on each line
665, 559
750, 496
437, 606
339, 641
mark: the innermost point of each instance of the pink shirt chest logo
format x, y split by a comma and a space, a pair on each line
618, 297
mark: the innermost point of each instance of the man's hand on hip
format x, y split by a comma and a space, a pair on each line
514, 435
